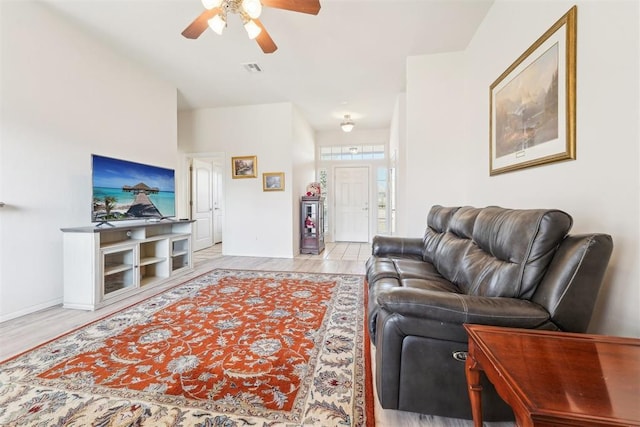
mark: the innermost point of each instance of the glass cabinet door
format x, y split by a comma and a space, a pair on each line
180, 253
310, 218
118, 269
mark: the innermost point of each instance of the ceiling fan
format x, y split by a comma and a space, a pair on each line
215, 16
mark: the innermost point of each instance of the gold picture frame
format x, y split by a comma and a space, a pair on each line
244, 167
273, 181
533, 103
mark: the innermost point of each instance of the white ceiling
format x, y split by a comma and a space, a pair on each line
349, 59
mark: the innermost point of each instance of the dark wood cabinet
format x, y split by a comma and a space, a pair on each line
311, 225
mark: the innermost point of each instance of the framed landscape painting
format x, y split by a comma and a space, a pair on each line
244, 167
533, 103
273, 181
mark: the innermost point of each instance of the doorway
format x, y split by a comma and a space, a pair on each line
206, 202
351, 204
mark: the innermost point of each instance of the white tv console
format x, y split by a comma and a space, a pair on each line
106, 264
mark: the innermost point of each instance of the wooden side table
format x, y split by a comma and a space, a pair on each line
556, 378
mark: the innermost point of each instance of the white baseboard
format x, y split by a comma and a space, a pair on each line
29, 310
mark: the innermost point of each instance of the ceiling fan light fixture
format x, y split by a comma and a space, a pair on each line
210, 4
347, 124
252, 29
217, 24
253, 8
217, 11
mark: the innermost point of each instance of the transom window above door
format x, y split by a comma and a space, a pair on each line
352, 152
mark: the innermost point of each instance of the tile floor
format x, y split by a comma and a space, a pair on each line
342, 251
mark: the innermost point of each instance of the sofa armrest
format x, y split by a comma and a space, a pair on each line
452, 308
400, 246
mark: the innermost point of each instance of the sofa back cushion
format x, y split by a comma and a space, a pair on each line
438, 220
507, 253
463, 222
570, 288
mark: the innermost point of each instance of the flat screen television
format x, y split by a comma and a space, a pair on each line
124, 190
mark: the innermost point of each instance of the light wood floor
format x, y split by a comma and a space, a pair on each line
28, 331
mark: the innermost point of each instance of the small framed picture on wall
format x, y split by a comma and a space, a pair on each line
273, 181
244, 167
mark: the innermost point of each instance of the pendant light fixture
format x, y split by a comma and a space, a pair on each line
347, 124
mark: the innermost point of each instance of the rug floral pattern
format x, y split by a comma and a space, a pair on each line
228, 348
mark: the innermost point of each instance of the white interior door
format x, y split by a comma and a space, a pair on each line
218, 204
202, 203
351, 204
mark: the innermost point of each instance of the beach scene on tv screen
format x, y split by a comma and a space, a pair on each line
127, 190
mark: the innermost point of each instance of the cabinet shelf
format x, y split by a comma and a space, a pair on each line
151, 260
113, 269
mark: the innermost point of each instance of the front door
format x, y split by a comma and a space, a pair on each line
351, 204
202, 203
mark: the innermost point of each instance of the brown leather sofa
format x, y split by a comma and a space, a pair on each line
494, 266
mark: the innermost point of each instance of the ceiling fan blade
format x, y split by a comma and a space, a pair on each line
264, 39
197, 27
311, 7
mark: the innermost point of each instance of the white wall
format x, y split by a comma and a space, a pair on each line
437, 150
355, 137
304, 169
63, 97
397, 151
257, 223
600, 189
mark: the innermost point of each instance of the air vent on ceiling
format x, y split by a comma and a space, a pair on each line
252, 67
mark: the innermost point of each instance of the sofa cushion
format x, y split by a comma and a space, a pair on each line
399, 268
434, 282
409, 268
437, 224
572, 282
455, 309
380, 268
508, 254
463, 221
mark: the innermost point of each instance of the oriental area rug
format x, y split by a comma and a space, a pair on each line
229, 348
